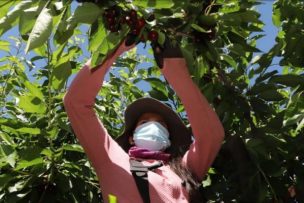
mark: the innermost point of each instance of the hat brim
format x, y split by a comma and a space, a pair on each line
180, 135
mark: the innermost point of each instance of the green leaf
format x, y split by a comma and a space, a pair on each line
275, 139
271, 95
67, 57
257, 146
292, 119
230, 7
85, 13
57, 54
31, 104
159, 4
265, 76
188, 54
47, 152
158, 95
4, 45
5, 67
5, 7
53, 132
257, 88
294, 112
229, 60
42, 50
112, 199
34, 90
268, 92
6, 138
97, 33
265, 60
300, 126
6, 150
60, 75
30, 152
201, 68
10, 19
64, 30
73, 147
28, 19
276, 17
208, 90
236, 18
5, 179
161, 38
107, 46
199, 28
33, 131
24, 163
288, 80
157, 84
58, 6
8, 155
207, 181
17, 186
212, 53
41, 30
11, 159
63, 182
239, 40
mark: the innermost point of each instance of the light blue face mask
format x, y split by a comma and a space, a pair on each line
152, 136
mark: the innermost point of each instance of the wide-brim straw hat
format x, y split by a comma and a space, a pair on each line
180, 135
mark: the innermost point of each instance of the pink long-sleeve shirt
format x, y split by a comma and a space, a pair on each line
111, 162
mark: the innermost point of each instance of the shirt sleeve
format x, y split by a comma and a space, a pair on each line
206, 127
79, 101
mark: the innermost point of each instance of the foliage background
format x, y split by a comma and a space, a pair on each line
261, 109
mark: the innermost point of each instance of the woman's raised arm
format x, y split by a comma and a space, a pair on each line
79, 102
206, 126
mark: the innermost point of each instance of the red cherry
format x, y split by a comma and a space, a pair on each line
122, 20
197, 39
113, 28
133, 14
142, 38
153, 35
110, 20
217, 101
113, 12
128, 20
108, 13
141, 23
135, 31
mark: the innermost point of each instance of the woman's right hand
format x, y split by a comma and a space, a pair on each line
165, 51
127, 44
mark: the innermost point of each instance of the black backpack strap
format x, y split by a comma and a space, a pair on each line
140, 174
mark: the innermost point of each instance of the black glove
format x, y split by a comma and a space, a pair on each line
131, 39
167, 51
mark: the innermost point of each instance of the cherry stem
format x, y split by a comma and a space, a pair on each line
209, 7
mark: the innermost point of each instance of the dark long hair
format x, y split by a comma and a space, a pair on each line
192, 185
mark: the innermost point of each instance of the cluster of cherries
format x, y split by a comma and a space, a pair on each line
115, 17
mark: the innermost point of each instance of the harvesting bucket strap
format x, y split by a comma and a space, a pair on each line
140, 174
